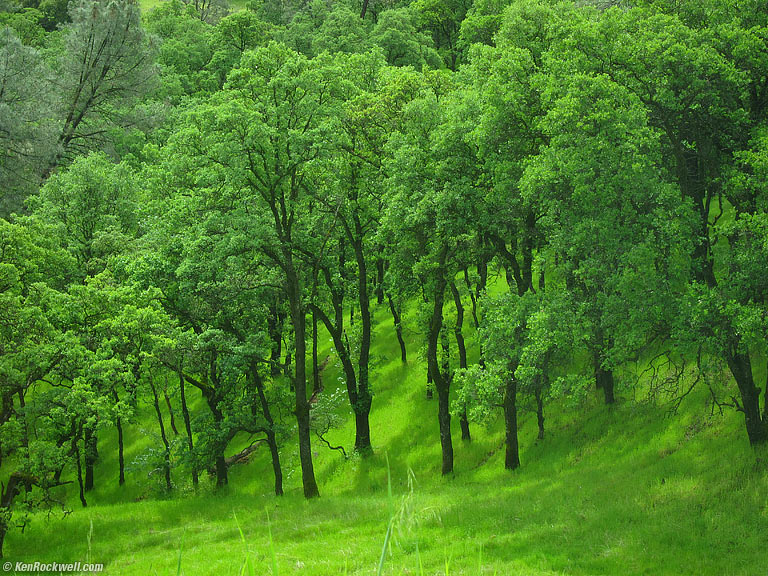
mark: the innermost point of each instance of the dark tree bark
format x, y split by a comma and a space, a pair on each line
79, 467
163, 437
91, 454
364, 399
380, 280
275, 330
270, 430
120, 444
398, 329
315, 367
539, 411
9, 493
170, 409
364, 9
442, 383
741, 368
604, 380
512, 452
187, 426
457, 331
298, 319
430, 384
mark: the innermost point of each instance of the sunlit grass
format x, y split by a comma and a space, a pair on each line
622, 490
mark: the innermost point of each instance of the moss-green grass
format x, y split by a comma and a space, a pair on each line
622, 490
147, 5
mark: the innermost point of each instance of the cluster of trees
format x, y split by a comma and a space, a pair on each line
190, 199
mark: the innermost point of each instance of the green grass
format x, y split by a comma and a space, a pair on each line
625, 490
147, 5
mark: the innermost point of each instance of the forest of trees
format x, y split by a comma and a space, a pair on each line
189, 195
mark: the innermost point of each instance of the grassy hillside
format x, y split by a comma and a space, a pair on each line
622, 490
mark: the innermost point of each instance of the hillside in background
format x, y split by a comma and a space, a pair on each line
384, 286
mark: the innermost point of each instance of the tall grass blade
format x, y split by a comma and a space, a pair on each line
181, 547
271, 546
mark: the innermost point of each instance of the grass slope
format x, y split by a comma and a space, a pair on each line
622, 490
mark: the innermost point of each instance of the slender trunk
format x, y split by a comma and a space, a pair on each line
540, 411
163, 437
271, 438
398, 329
472, 297
364, 399
315, 369
287, 367
442, 383
430, 384
741, 368
76, 450
120, 444
188, 427
275, 330
512, 453
364, 9
298, 319
212, 398
170, 408
463, 420
380, 281
91, 453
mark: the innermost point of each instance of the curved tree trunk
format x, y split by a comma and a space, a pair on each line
463, 421
187, 426
270, 431
442, 383
163, 437
398, 329
741, 368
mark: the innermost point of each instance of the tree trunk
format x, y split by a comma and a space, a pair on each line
364, 399
380, 281
604, 380
163, 437
76, 450
275, 329
170, 408
188, 427
212, 397
430, 384
120, 444
7, 496
91, 453
398, 329
298, 319
442, 383
271, 438
741, 368
315, 369
512, 453
463, 420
